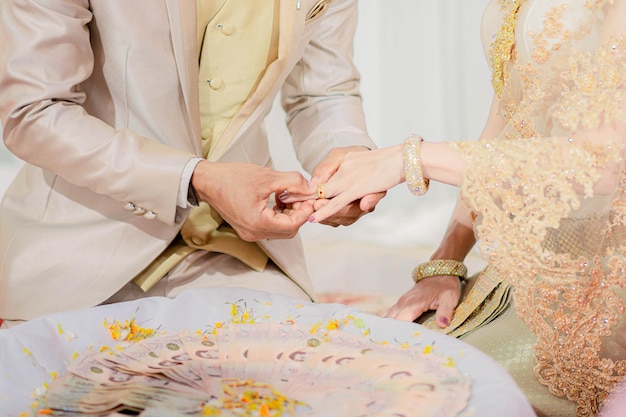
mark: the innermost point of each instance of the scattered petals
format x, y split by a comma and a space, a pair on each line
128, 331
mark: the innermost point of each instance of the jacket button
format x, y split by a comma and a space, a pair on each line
139, 211
216, 83
150, 215
129, 206
226, 28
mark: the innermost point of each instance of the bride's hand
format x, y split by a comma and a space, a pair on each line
355, 209
360, 174
345, 214
440, 293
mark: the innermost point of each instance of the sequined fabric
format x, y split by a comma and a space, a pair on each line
550, 191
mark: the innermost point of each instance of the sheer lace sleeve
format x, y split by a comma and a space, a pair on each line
550, 191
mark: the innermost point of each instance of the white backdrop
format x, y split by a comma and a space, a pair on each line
423, 70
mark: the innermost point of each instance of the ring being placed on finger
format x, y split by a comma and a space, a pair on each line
320, 192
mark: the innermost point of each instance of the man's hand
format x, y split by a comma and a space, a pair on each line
351, 213
240, 193
440, 293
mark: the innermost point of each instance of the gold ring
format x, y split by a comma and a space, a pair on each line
320, 192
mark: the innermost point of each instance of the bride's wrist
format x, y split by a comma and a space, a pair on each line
442, 163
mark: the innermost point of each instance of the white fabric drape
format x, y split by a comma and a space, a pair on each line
423, 71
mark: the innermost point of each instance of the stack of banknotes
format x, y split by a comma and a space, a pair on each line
259, 369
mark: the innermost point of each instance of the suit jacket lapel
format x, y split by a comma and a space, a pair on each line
182, 21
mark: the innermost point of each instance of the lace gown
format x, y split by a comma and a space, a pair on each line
550, 197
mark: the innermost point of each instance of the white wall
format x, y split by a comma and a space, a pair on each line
423, 71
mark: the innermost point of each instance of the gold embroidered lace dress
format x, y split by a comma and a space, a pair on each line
550, 192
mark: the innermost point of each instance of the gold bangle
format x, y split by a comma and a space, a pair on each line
439, 267
418, 185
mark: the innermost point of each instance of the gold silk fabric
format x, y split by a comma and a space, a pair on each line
550, 190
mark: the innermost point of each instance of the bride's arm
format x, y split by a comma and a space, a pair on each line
442, 293
583, 164
383, 169
459, 238
445, 164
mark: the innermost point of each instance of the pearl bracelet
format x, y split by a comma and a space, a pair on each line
439, 267
418, 185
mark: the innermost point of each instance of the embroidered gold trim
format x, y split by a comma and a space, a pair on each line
502, 50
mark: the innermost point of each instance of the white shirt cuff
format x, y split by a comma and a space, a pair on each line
185, 178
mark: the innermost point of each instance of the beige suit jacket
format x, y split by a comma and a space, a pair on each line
100, 98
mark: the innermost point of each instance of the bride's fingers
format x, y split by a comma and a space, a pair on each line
331, 207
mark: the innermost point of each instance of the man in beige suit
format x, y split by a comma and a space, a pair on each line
147, 166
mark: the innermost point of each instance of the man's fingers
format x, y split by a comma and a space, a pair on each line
346, 216
368, 202
291, 183
286, 223
315, 191
289, 198
293, 188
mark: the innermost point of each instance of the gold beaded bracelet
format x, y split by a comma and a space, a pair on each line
418, 185
439, 267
